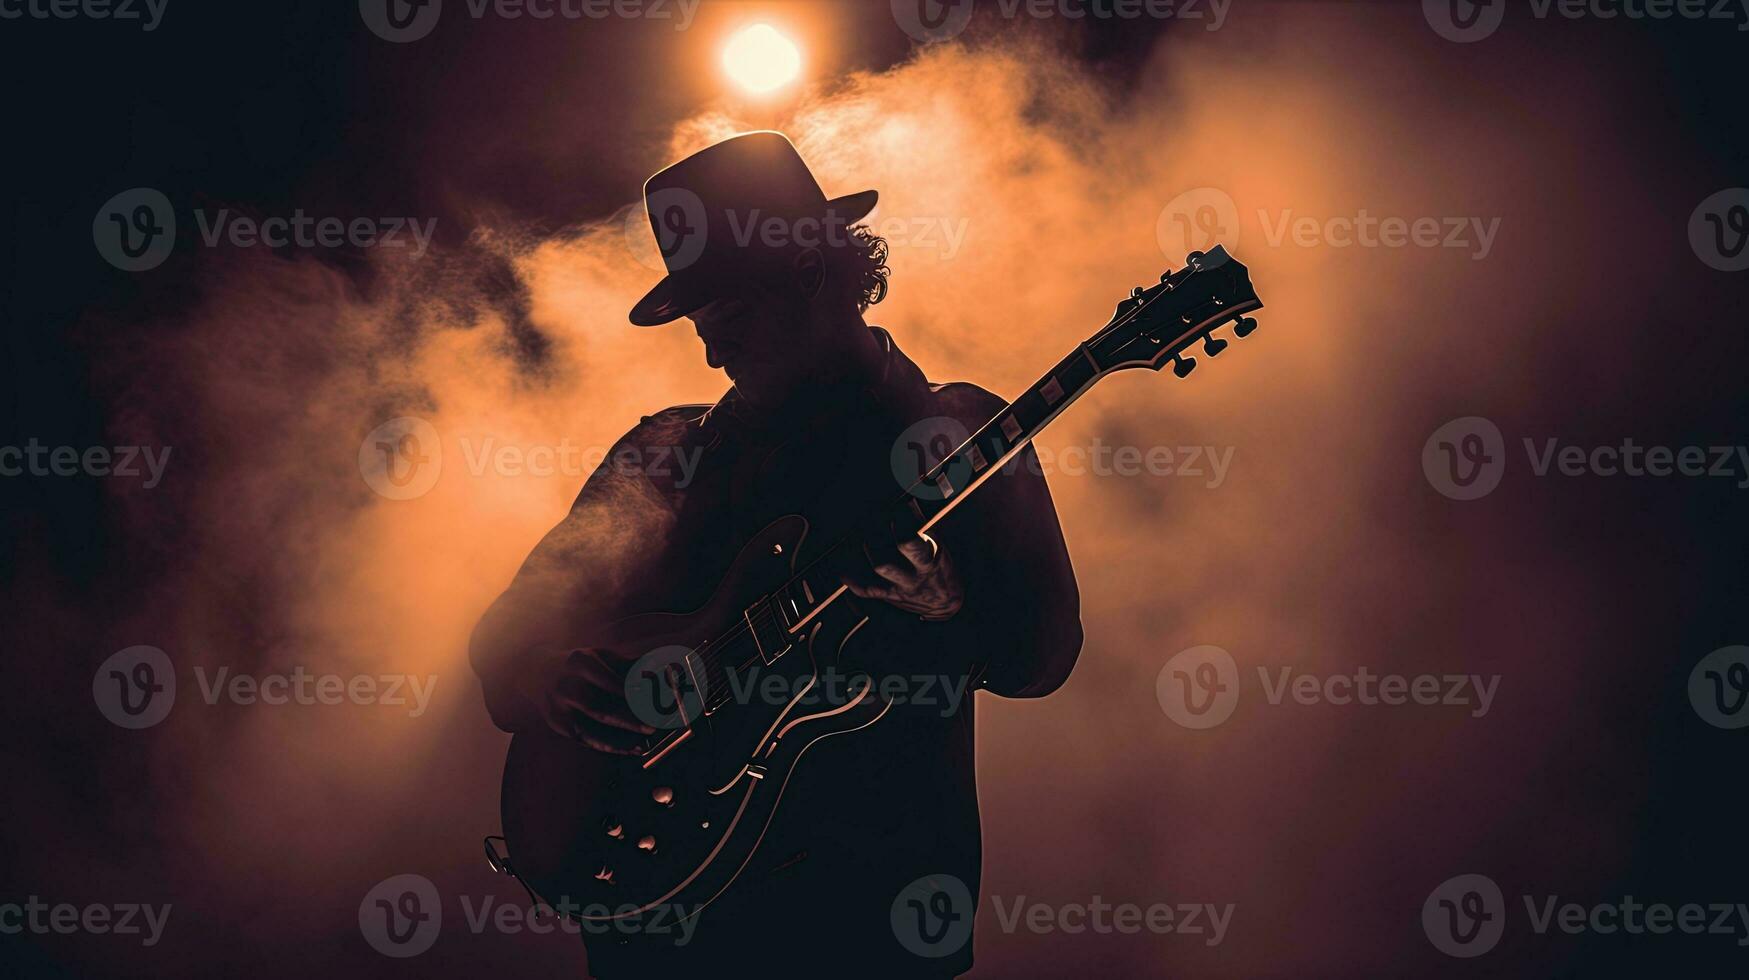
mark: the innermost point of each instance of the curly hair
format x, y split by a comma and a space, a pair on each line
863, 259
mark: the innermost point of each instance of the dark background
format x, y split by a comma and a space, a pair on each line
1595, 596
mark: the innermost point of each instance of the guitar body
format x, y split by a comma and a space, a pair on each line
656, 837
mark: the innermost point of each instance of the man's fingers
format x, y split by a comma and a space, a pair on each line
903, 576
579, 727
921, 551
604, 704
861, 591
615, 713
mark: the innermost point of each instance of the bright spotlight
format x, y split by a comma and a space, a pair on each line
760, 59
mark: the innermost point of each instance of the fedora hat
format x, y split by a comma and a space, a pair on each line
713, 213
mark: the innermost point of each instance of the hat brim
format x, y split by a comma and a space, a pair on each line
676, 295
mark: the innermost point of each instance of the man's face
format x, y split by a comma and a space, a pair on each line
758, 334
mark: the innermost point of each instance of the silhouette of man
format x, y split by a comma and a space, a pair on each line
775, 279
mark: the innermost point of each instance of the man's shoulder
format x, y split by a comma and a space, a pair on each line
658, 454
670, 426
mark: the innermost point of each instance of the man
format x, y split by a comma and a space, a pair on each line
775, 279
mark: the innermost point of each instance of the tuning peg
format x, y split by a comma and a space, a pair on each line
1182, 366
1243, 328
1212, 345
1136, 292
1166, 275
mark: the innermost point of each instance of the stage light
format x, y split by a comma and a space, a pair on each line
760, 59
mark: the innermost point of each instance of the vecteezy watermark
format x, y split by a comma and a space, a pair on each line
35, 459
932, 917
1718, 687
1199, 688
1465, 916
938, 20
926, 442
304, 687
1465, 21
401, 21
1365, 230
136, 230
403, 458
670, 686
136, 687
1718, 230
148, 13
1199, 219
304, 231
401, 916
683, 229
1465, 459
119, 919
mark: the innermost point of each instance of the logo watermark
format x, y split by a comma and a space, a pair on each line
1199, 688
1718, 230
128, 462
926, 442
403, 915
1199, 219
682, 230
136, 687
135, 230
402, 459
1718, 687
668, 686
147, 13
1465, 459
402, 21
932, 917
1466, 916
1467, 21
929, 21
36, 916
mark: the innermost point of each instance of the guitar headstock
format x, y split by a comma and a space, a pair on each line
1156, 325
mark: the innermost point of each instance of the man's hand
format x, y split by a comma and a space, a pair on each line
918, 577
581, 694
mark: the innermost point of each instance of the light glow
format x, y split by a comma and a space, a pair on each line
760, 59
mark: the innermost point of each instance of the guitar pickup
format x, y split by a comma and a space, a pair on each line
769, 634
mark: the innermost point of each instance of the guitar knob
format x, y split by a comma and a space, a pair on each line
663, 795
1243, 328
614, 830
605, 874
1212, 345
1182, 366
647, 844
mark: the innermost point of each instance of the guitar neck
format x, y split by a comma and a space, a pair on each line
943, 486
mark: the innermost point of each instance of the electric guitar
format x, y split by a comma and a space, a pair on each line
654, 838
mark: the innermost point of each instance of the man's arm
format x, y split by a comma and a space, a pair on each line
1022, 614
1021, 619
532, 648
